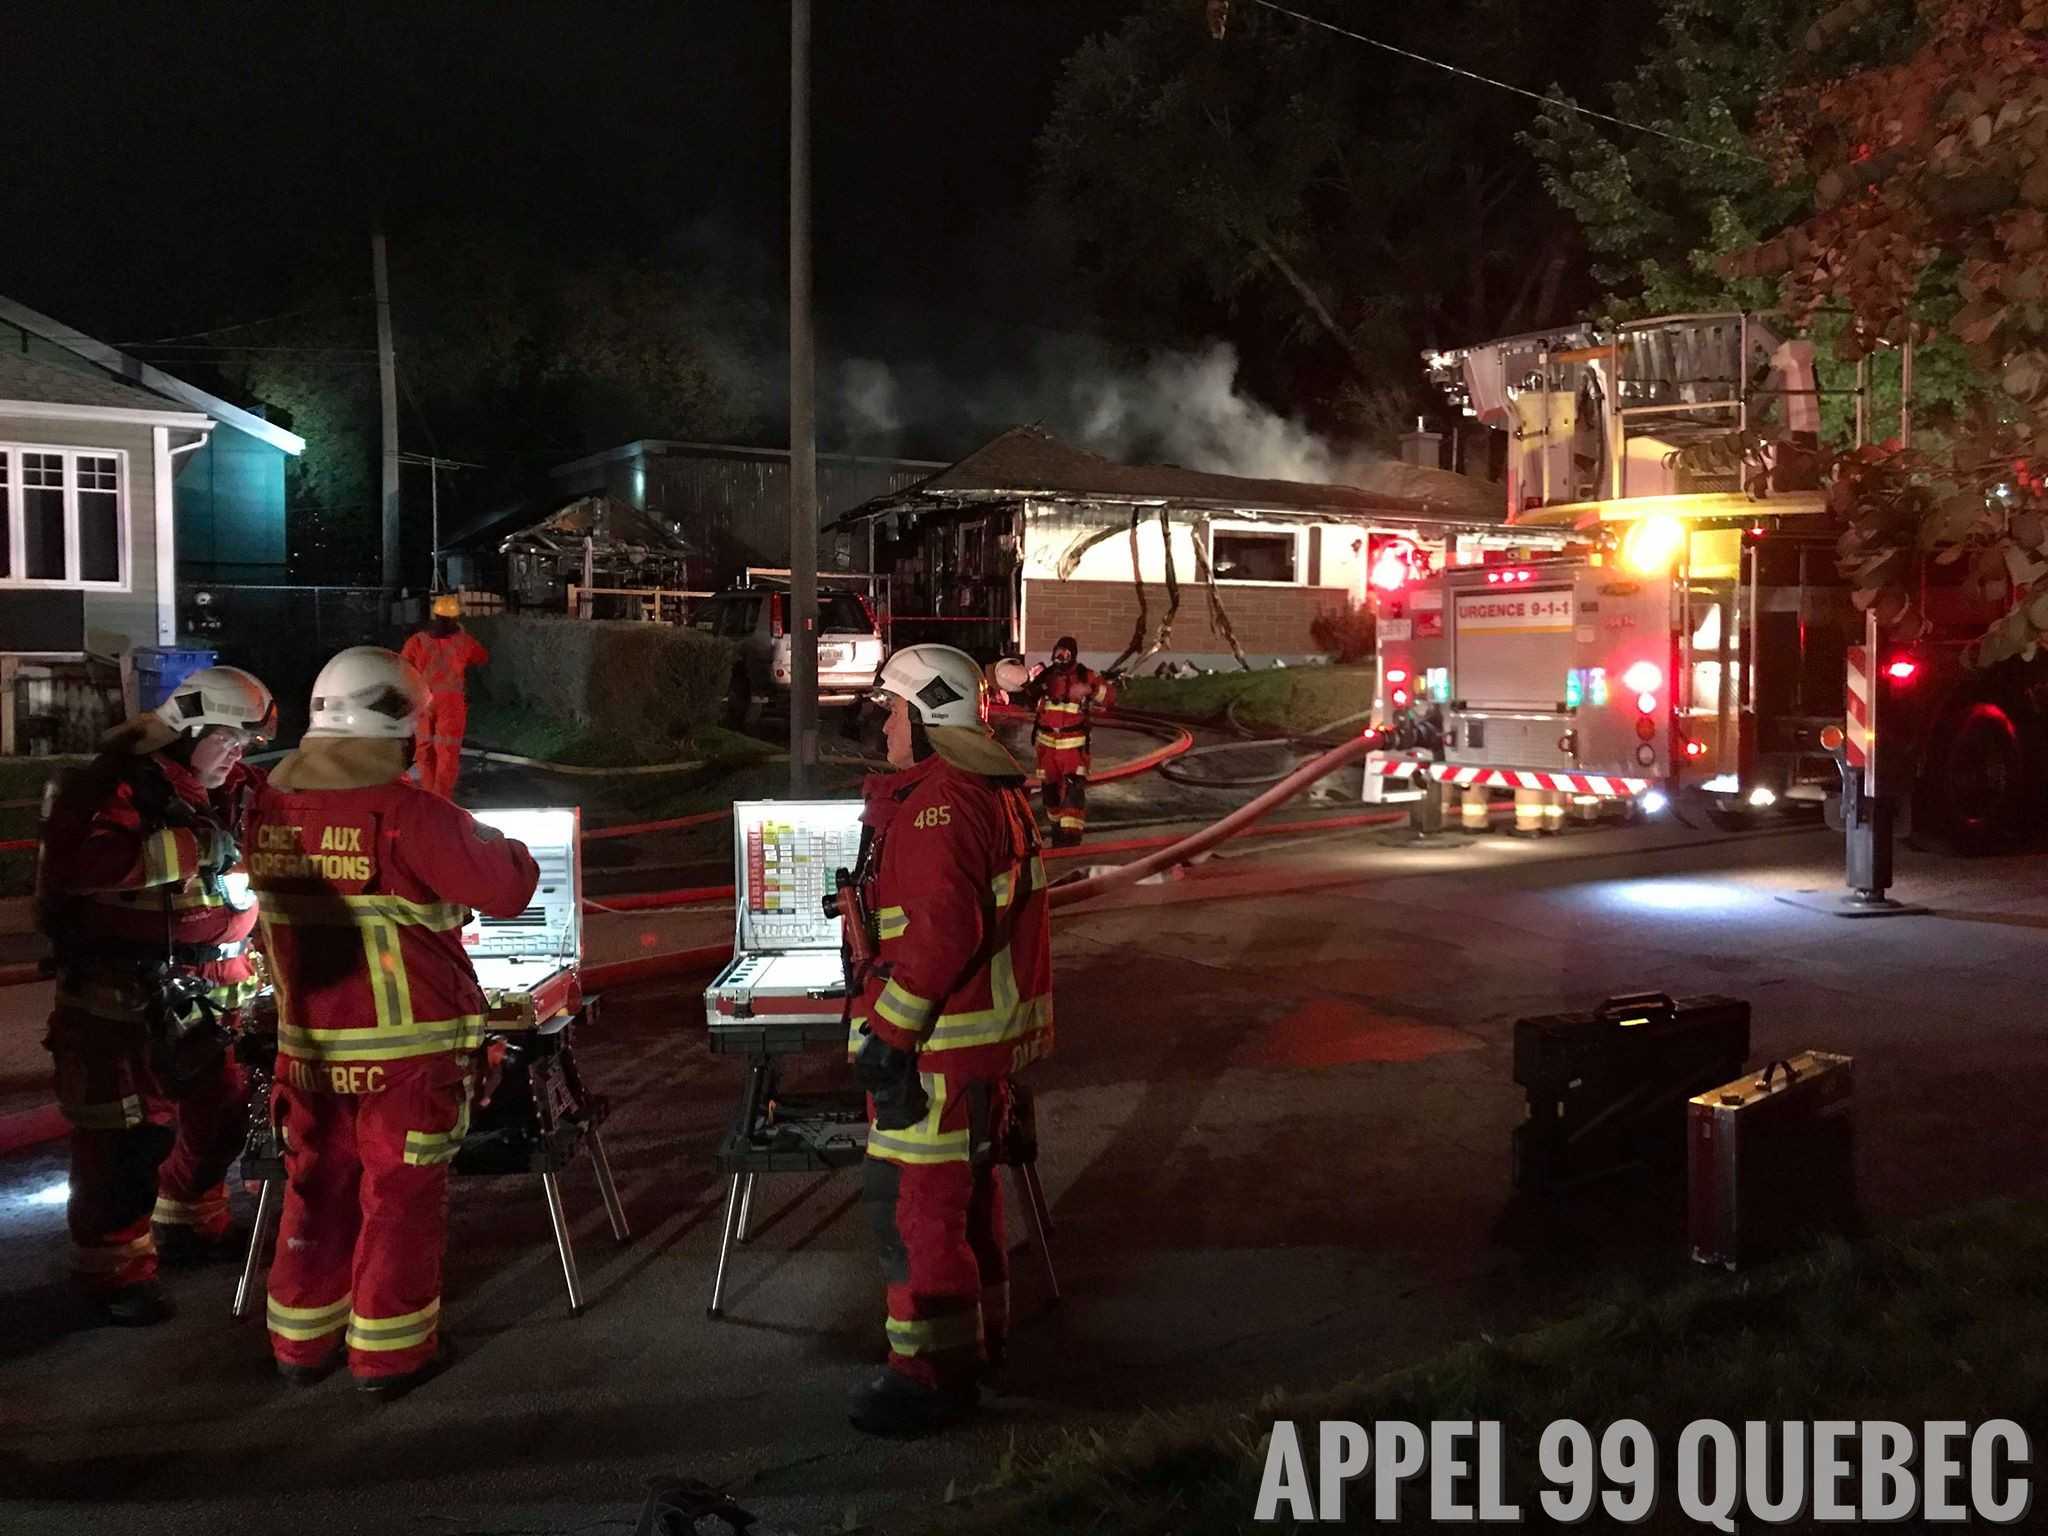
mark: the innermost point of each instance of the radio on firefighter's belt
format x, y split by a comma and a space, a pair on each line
789, 968
859, 938
527, 965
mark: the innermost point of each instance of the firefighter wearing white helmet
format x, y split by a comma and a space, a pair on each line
141, 890
379, 1016
959, 998
367, 691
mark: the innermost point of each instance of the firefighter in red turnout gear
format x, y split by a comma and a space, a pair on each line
1065, 695
442, 653
959, 998
140, 891
364, 880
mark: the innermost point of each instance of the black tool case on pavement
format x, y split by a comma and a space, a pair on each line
1608, 1088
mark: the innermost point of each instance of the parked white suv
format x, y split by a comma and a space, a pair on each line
756, 619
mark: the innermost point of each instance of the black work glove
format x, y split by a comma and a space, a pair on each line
889, 1077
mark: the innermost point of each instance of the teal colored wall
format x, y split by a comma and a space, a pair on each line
229, 501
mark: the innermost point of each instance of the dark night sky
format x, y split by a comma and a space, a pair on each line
179, 167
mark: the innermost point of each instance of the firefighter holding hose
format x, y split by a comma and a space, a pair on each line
140, 890
1064, 697
958, 998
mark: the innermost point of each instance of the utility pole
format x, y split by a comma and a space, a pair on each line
387, 379
435, 464
803, 426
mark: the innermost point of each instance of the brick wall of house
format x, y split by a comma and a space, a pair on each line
1269, 621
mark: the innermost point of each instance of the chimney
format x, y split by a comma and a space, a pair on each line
1422, 446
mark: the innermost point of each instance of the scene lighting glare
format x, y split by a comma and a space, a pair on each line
1651, 546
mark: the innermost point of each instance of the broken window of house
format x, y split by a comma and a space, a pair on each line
1239, 554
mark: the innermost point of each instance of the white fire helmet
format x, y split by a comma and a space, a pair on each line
367, 691
220, 696
943, 686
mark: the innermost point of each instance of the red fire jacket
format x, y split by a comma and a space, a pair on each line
130, 863
1066, 695
364, 882
960, 898
442, 659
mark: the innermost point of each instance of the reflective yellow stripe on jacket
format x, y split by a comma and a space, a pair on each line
923, 1142
397, 1034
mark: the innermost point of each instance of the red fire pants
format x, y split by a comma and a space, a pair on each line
366, 1153
1064, 771
441, 730
142, 1149
935, 1200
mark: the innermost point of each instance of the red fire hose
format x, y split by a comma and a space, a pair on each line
1216, 832
1237, 823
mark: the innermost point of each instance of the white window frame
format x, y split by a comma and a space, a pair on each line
1297, 533
14, 521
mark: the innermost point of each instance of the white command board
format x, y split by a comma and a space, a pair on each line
513, 952
786, 854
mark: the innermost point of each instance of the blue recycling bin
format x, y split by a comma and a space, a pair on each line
160, 668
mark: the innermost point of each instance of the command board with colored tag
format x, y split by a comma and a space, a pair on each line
786, 963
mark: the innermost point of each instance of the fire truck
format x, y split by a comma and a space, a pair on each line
1668, 637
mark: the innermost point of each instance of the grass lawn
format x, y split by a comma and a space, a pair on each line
1946, 1319
1294, 699
546, 738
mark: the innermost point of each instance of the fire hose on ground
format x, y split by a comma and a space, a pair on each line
1175, 851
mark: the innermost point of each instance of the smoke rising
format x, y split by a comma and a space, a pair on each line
1182, 408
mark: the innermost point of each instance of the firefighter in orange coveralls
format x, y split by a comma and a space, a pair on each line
150, 924
364, 880
441, 653
959, 998
1066, 693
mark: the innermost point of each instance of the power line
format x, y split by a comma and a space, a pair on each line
1551, 101
244, 325
204, 348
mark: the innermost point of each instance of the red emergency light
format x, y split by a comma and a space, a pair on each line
1902, 670
1396, 675
1695, 749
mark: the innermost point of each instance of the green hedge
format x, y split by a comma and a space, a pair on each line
641, 683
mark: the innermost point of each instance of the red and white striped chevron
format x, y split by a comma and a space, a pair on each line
1609, 785
1857, 705
1394, 767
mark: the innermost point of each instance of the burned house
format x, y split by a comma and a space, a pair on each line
595, 541
1031, 538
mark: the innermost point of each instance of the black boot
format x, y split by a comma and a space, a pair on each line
308, 1375
388, 1389
139, 1305
892, 1404
186, 1246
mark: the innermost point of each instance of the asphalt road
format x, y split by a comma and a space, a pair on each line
1275, 1141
